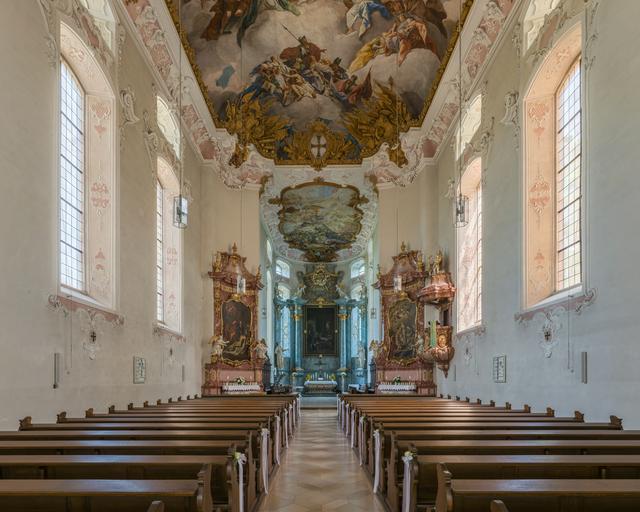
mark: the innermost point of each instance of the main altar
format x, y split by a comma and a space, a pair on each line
320, 357
238, 357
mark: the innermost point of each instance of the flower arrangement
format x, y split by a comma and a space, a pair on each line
307, 377
396, 380
332, 376
240, 380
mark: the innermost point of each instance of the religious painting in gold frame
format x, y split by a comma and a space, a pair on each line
237, 323
402, 329
320, 331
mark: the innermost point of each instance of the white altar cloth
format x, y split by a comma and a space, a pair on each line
320, 385
249, 387
401, 387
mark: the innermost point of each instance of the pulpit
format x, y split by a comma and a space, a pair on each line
238, 357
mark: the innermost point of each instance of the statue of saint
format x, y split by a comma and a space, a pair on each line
435, 263
279, 353
362, 356
261, 349
374, 348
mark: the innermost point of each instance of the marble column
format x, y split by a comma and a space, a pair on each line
296, 327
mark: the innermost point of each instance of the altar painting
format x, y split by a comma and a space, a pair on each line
320, 331
236, 331
402, 329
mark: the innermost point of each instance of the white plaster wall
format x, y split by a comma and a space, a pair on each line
606, 330
31, 332
408, 214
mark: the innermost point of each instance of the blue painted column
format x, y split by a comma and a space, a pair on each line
297, 328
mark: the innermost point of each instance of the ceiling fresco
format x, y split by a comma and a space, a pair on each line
320, 218
318, 82
355, 201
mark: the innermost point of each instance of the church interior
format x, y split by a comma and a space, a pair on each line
319, 255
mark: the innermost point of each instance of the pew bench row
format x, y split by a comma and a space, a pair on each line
452, 455
205, 455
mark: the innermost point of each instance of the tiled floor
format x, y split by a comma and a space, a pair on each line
320, 472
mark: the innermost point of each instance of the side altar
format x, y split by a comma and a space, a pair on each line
238, 357
405, 359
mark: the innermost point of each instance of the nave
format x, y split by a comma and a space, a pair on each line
320, 472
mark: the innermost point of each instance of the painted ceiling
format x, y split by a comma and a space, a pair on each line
320, 218
318, 82
267, 86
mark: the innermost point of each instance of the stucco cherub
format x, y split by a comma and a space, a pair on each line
217, 347
261, 349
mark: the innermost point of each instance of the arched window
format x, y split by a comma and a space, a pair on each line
470, 124
284, 294
168, 250
469, 251
72, 186
553, 175
568, 186
357, 336
270, 309
269, 250
168, 125
534, 19
282, 269
103, 18
86, 175
357, 268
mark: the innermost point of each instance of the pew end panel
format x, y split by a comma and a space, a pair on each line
498, 506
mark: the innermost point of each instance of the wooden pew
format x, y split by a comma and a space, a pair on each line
101, 495
517, 467
138, 447
535, 495
488, 430
220, 474
498, 448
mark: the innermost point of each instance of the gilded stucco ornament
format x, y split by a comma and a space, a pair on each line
251, 122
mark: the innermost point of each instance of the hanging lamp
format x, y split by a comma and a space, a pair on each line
180, 202
461, 203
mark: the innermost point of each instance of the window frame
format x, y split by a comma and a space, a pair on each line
160, 278
538, 288
83, 290
281, 264
362, 266
100, 188
172, 236
564, 82
479, 249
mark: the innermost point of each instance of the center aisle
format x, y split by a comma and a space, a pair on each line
320, 471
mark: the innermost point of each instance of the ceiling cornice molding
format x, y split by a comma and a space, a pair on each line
479, 82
